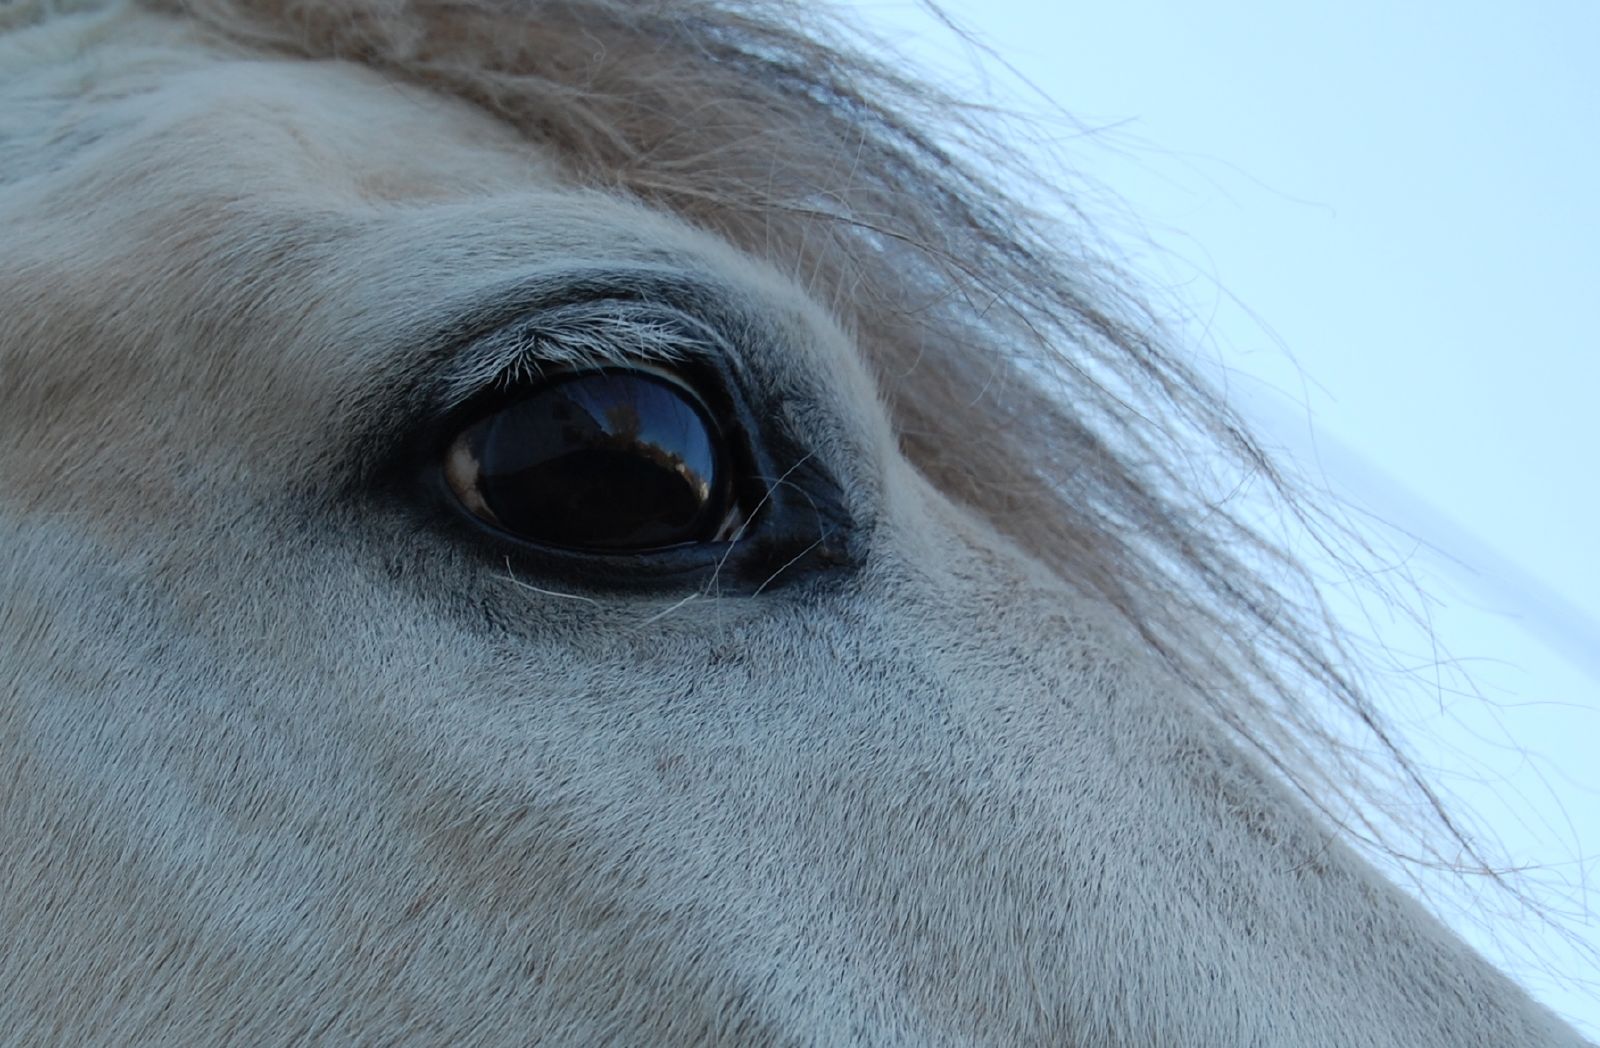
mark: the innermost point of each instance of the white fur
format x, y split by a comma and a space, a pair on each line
281, 768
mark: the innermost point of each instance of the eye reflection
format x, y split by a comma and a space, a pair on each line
605, 461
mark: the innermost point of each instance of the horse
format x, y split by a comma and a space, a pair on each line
602, 522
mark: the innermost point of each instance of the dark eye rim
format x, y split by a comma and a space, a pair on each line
806, 529
793, 529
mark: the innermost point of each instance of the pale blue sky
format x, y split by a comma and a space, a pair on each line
1406, 199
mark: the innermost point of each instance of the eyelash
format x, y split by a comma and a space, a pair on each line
591, 334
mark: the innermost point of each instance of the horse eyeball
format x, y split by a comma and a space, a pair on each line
610, 461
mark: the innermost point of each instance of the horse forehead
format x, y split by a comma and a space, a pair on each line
340, 129
254, 236
175, 179
204, 164
328, 125
161, 164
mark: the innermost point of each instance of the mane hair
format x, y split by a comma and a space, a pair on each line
1024, 379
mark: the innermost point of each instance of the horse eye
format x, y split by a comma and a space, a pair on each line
610, 461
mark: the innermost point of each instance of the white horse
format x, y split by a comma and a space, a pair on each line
586, 522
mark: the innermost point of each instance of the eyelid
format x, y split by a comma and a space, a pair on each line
493, 335
583, 336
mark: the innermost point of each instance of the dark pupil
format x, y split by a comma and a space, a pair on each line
607, 461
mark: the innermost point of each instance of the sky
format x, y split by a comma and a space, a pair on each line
1381, 224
